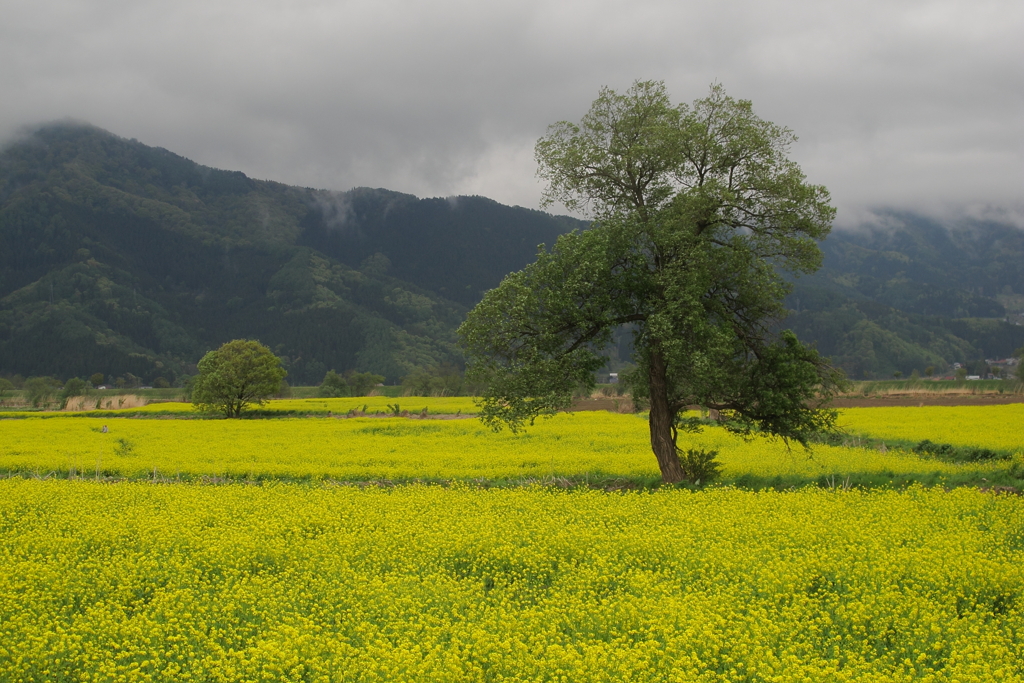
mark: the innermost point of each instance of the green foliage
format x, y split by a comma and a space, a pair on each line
5, 387
699, 465
1017, 465
456, 248
73, 387
124, 448
696, 209
438, 380
284, 391
238, 374
361, 383
187, 383
40, 391
333, 386
950, 453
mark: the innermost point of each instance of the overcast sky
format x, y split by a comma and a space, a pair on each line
912, 104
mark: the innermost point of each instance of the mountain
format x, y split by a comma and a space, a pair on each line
118, 258
914, 293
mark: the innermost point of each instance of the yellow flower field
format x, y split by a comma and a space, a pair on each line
435, 405
579, 445
143, 582
996, 427
446, 405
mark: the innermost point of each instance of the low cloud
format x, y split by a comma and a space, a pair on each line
914, 105
334, 207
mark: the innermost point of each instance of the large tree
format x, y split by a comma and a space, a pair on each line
696, 210
238, 374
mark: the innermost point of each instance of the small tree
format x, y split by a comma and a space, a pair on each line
285, 391
40, 390
239, 373
362, 382
419, 382
96, 379
333, 386
438, 380
73, 387
5, 387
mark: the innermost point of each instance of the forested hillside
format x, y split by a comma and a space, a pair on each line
118, 258
914, 294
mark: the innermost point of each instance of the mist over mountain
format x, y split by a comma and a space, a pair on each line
117, 258
914, 293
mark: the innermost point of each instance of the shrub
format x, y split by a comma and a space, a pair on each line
40, 390
950, 453
333, 386
73, 387
361, 383
699, 465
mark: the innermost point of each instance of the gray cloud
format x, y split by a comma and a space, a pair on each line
917, 104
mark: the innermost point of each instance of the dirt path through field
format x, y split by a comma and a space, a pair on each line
617, 404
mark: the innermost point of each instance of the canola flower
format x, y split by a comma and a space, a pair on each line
139, 582
435, 405
994, 427
579, 445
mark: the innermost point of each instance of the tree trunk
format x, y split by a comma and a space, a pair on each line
661, 418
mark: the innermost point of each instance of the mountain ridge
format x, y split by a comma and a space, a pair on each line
117, 257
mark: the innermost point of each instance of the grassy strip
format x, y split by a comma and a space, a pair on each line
596, 481
925, 448
1010, 480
